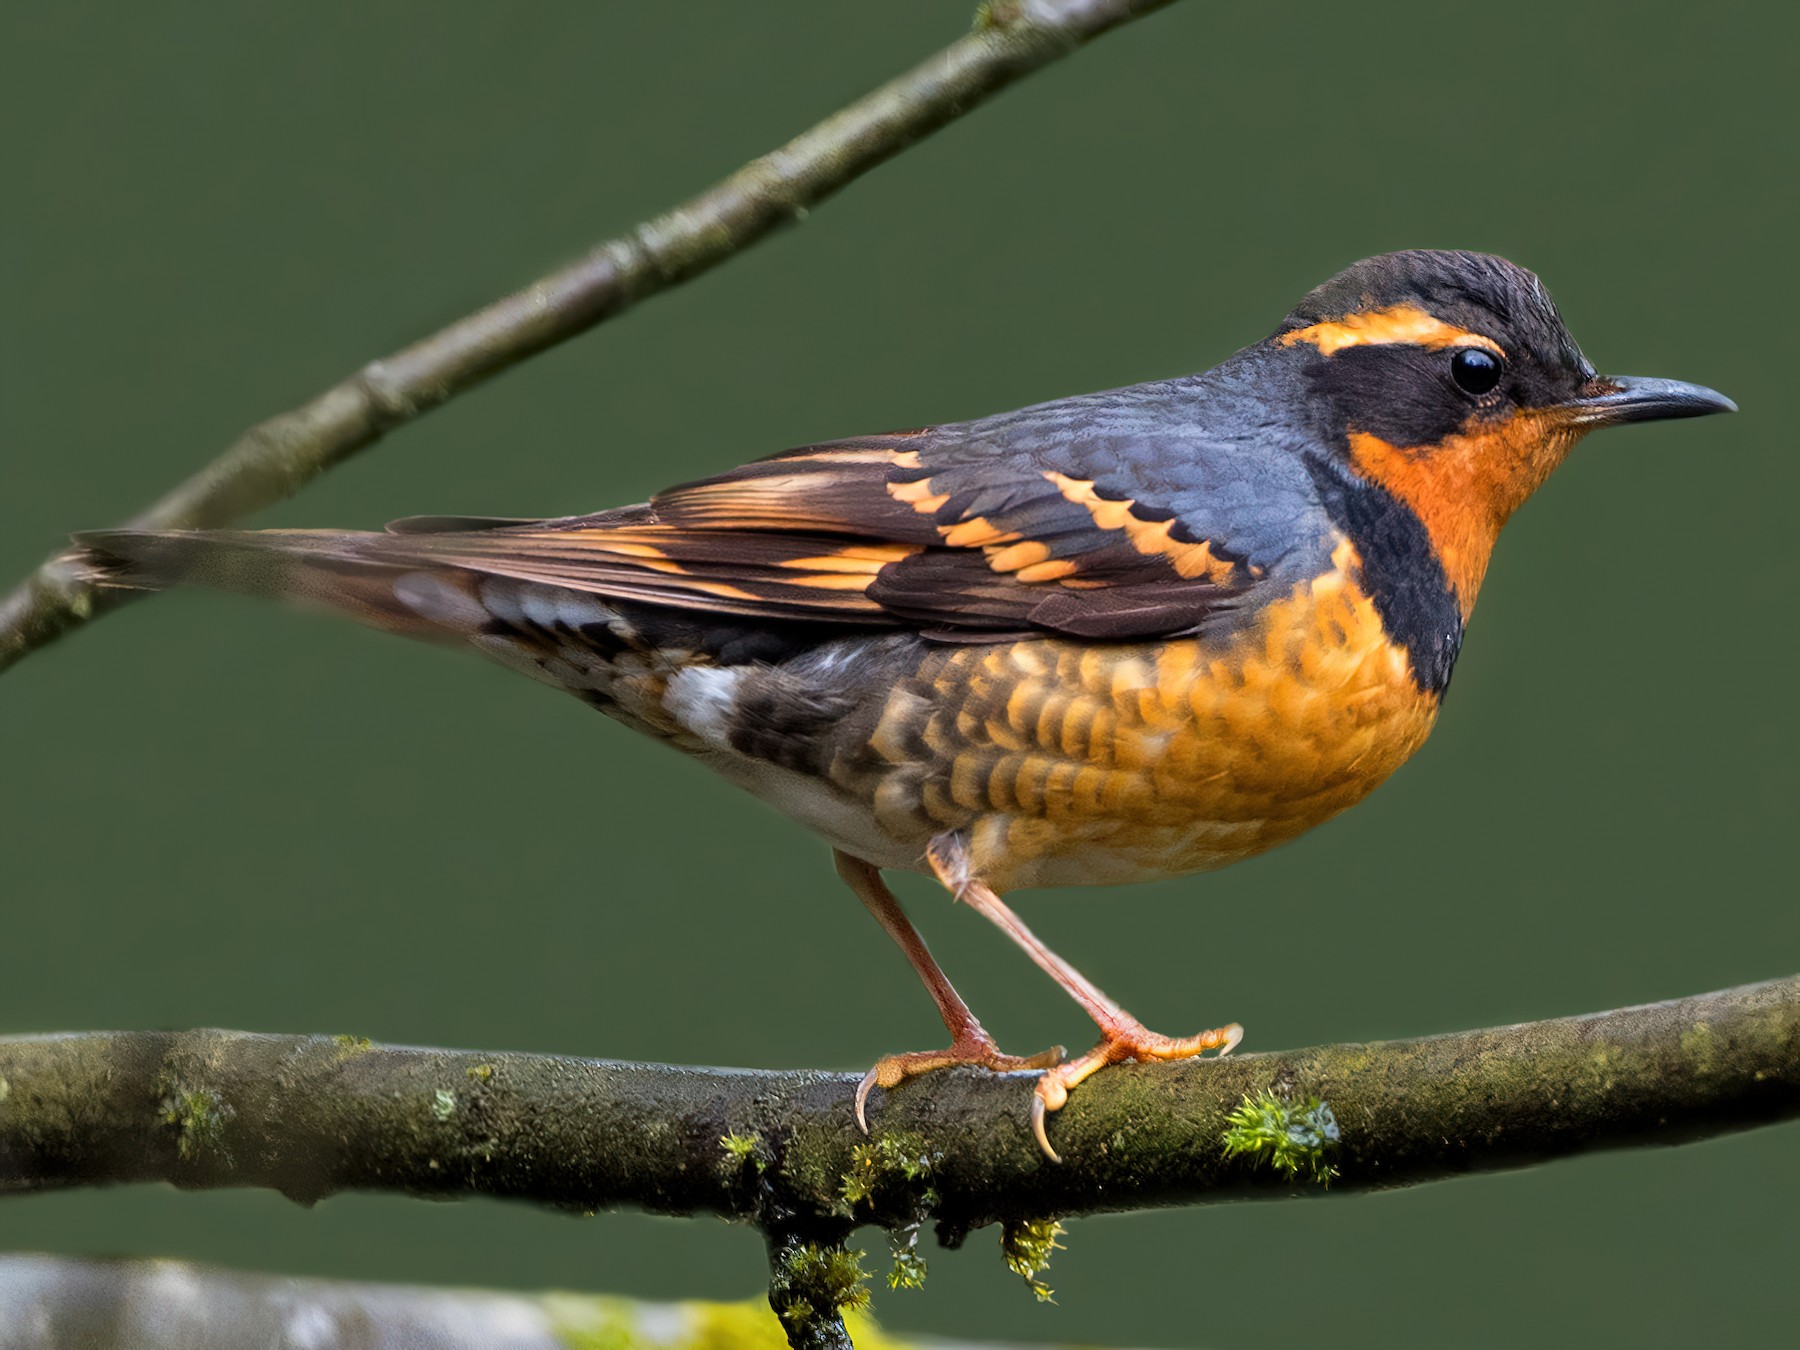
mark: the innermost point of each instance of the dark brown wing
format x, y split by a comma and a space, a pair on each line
887, 531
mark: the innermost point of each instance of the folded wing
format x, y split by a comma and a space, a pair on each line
880, 532
918, 530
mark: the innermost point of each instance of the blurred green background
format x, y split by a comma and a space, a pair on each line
219, 813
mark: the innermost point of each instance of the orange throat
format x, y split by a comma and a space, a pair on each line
1467, 486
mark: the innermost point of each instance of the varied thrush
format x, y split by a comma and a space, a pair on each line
1123, 636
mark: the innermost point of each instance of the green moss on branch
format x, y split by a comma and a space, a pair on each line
310, 1116
216, 1108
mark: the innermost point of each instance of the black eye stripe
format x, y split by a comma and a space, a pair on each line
1402, 392
1475, 370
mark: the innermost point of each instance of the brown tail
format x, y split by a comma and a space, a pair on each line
334, 570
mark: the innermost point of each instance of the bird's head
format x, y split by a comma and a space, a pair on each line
1449, 379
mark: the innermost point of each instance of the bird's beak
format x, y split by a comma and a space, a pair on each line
1610, 399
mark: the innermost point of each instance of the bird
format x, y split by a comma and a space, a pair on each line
1111, 638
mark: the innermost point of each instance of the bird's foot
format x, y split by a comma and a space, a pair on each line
974, 1047
1125, 1039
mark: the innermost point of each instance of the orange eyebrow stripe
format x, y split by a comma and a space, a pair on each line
1401, 324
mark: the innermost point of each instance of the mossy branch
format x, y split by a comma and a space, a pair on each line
313, 1115
275, 458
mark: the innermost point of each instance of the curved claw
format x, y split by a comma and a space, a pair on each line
981, 1052
1039, 1114
862, 1098
1123, 1042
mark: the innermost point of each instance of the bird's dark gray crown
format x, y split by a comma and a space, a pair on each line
1476, 291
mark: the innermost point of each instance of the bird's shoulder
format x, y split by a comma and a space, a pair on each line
1220, 455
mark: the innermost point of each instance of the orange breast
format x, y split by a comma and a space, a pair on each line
1464, 489
1070, 764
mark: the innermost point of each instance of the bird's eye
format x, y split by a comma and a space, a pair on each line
1475, 370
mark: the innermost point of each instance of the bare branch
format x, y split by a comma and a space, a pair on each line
310, 1116
274, 459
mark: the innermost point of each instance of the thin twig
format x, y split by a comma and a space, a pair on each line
275, 458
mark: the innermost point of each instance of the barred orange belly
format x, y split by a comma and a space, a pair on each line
1069, 763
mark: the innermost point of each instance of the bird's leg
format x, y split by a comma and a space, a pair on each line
969, 1040
1123, 1037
